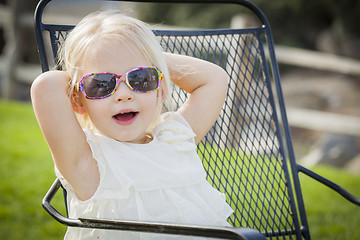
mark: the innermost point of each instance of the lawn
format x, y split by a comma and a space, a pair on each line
26, 173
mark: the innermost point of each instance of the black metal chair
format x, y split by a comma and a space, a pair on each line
248, 153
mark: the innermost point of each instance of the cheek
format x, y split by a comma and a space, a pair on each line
95, 109
150, 103
147, 98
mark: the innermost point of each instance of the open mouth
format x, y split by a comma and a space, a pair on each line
126, 117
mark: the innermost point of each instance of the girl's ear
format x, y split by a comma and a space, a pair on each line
163, 94
77, 104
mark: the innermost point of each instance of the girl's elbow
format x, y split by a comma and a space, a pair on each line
223, 81
37, 87
44, 84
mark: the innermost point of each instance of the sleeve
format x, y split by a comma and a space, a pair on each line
175, 130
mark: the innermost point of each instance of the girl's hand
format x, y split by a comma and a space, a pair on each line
207, 83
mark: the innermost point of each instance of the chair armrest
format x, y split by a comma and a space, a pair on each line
329, 184
164, 228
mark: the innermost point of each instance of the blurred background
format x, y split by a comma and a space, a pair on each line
318, 50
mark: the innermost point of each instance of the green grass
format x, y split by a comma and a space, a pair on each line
248, 191
26, 173
329, 215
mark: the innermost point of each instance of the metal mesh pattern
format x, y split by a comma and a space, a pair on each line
241, 153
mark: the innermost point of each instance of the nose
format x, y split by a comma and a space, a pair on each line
123, 93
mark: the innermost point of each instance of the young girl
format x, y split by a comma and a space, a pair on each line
117, 157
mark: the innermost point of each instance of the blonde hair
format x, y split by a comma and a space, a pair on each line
115, 26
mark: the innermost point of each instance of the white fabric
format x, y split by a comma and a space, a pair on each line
162, 181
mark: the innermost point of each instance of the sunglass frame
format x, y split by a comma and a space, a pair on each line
80, 86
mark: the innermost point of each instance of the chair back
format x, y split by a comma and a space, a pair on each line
248, 152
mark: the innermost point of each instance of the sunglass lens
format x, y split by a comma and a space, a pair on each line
143, 80
99, 85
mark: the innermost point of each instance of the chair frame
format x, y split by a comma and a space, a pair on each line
291, 167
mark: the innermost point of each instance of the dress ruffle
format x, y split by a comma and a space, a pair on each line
173, 132
162, 181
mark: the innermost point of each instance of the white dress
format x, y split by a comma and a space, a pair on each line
162, 181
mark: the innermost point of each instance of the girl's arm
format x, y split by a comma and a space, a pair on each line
67, 142
207, 84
